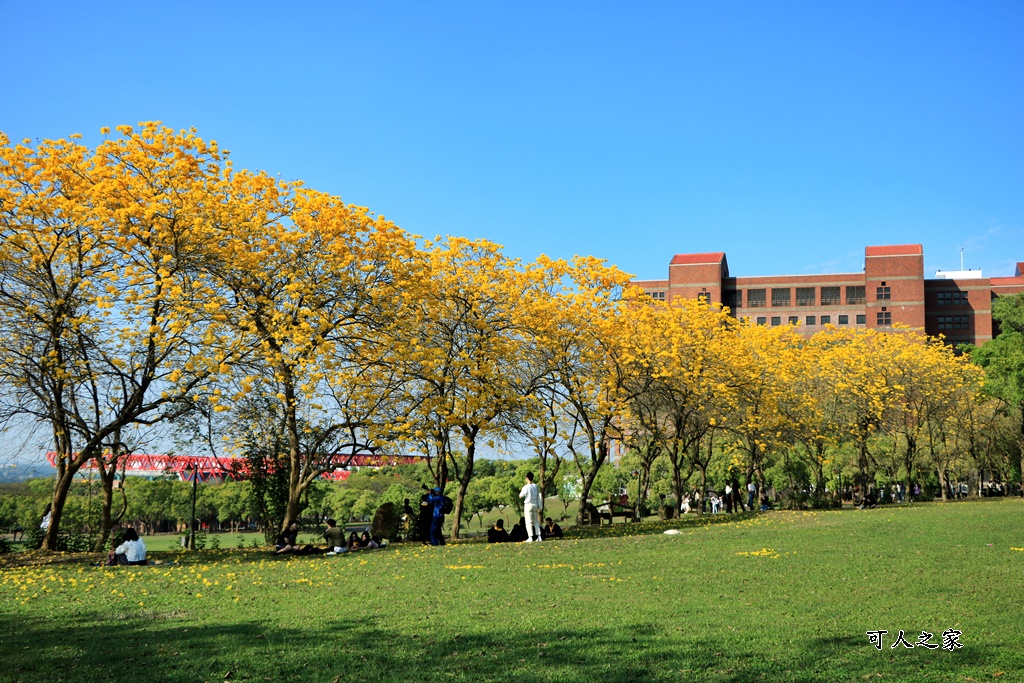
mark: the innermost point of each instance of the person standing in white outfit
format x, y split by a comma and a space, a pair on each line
531, 508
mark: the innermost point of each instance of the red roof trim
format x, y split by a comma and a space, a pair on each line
895, 250
709, 258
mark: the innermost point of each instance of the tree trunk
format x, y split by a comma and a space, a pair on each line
467, 474
108, 477
703, 482
908, 461
60, 496
106, 523
942, 483
65, 474
291, 513
642, 485
597, 459
819, 471
862, 463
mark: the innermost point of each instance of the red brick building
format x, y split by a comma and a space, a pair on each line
891, 289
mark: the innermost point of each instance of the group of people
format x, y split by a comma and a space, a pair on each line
730, 499
287, 543
337, 544
498, 533
528, 530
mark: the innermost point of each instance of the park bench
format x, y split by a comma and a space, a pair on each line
595, 516
627, 512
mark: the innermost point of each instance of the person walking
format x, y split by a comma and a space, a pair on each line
531, 508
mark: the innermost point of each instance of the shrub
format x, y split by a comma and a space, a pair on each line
386, 521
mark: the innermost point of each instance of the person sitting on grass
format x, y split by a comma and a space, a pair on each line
368, 543
497, 533
868, 501
335, 536
518, 533
131, 552
287, 542
550, 530
353, 542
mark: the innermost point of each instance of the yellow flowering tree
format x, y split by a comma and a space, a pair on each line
761, 373
581, 343
107, 323
682, 353
458, 343
309, 283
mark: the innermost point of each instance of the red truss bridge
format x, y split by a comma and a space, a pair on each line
208, 468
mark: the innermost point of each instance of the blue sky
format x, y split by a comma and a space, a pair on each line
790, 135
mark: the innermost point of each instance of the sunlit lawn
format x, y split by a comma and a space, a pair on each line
782, 596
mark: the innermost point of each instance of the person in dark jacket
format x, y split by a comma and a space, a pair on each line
550, 530
497, 533
518, 533
437, 518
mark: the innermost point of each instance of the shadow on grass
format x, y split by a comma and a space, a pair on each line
92, 648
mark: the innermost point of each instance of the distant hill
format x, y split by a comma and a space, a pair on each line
14, 472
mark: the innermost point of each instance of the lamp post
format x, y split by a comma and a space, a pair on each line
192, 519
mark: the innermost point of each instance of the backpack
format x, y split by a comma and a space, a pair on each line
447, 506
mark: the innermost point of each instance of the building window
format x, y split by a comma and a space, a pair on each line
761, 320
830, 296
952, 298
776, 321
844, 320
805, 296
855, 294
882, 293
704, 297
780, 296
862, 320
793, 319
810, 320
954, 322
660, 296
755, 298
883, 318
826, 320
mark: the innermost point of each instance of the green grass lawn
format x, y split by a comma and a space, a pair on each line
784, 596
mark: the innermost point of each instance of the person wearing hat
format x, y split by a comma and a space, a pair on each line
436, 500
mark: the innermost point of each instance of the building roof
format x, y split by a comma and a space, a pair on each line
711, 257
895, 250
1020, 269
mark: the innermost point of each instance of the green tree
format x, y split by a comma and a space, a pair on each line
1003, 360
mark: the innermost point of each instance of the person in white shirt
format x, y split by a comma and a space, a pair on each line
531, 508
132, 551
